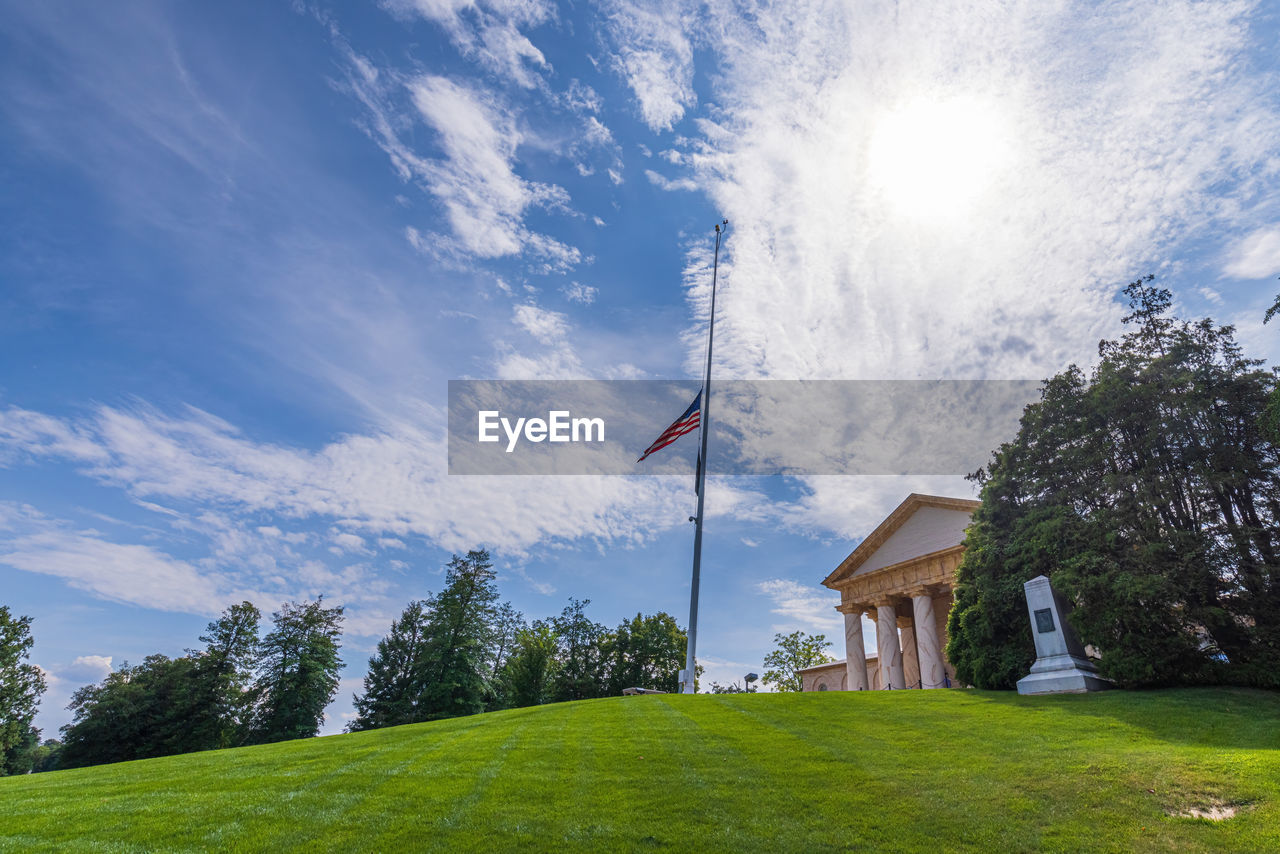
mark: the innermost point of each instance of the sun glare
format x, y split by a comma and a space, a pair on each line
934, 159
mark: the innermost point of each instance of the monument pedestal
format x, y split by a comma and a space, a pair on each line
1061, 664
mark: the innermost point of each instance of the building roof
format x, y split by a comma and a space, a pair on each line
827, 665
886, 529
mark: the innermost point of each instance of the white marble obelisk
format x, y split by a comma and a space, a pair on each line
1061, 664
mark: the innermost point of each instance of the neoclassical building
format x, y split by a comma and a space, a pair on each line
901, 576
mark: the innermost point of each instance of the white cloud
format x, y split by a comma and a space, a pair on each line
489, 32
132, 574
483, 198
664, 183
347, 543
541, 587
1211, 295
549, 327
474, 179
87, 668
1257, 256
806, 607
393, 483
654, 56
851, 507
578, 292
37, 434
1124, 129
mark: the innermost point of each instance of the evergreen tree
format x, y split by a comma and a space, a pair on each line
456, 655
583, 662
21, 685
1150, 494
646, 652
299, 676
393, 687
1271, 415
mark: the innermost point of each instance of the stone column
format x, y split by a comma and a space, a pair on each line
932, 671
910, 663
891, 675
855, 653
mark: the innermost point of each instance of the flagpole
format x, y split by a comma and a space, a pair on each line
690, 671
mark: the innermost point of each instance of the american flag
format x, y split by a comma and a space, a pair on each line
686, 423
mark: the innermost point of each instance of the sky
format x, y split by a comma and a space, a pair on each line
244, 246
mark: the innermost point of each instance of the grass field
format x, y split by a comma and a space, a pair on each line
929, 771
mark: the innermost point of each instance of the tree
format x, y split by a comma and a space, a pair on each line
223, 674
1150, 495
1271, 417
529, 674
732, 688
393, 686
21, 685
793, 653
508, 623
136, 712
456, 654
46, 756
22, 755
300, 666
582, 672
646, 652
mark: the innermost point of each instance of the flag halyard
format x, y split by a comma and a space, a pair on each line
689, 420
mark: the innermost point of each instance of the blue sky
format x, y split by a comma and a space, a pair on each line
244, 246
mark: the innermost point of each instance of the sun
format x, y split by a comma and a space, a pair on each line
934, 159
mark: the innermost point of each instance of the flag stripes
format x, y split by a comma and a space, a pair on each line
689, 421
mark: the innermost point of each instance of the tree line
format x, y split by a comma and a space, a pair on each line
455, 653
461, 652
238, 689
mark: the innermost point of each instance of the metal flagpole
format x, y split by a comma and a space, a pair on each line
690, 670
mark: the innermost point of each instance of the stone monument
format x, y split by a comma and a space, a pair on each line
1061, 664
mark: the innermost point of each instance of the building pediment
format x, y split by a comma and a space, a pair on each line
921, 525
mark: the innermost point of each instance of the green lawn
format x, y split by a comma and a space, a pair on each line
934, 771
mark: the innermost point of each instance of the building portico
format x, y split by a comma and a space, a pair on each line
901, 577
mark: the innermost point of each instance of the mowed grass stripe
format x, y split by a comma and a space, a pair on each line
978, 789
909, 771
846, 807
384, 794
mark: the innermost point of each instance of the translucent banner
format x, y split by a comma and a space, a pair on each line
767, 427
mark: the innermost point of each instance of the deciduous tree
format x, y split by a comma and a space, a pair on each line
793, 653
529, 674
21, 684
583, 670
646, 652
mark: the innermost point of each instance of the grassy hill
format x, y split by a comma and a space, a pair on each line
898, 771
